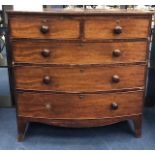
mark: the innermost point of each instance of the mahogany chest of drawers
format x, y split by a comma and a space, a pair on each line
79, 69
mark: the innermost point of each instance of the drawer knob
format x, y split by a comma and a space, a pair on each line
45, 53
48, 106
115, 78
47, 79
116, 53
44, 29
114, 106
118, 30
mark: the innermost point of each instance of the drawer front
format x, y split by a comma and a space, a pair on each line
79, 79
78, 53
79, 106
117, 28
44, 27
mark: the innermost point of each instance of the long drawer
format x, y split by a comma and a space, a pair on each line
79, 79
117, 28
44, 27
46, 52
70, 106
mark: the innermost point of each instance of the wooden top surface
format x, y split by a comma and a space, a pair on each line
82, 12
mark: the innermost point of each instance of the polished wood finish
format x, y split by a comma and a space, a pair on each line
84, 13
79, 106
78, 53
129, 27
79, 68
57, 27
79, 79
80, 123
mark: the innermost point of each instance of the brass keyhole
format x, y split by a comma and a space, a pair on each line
81, 96
118, 22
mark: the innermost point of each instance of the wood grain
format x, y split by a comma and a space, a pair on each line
121, 12
78, 53
70, 84
103, 28
79, 79
59, 28
78, 123
81, 123
78, 106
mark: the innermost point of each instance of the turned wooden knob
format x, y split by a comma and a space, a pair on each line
45, 53
114, 106
44, 29
118, 30
48, 106
47, 79
115, 78
116, 53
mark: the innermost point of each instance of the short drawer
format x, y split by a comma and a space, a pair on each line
41, 27
79, 79
70, 106
46, 52
117, 27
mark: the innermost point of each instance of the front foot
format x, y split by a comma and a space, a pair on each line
138, 125
20, 137
22, 127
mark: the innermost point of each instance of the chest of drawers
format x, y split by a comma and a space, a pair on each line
78, 69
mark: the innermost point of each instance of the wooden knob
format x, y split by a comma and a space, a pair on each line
44, 29
48, 106
118, 30
114, 106
47, 79
116, 53
45, 53
115, 78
